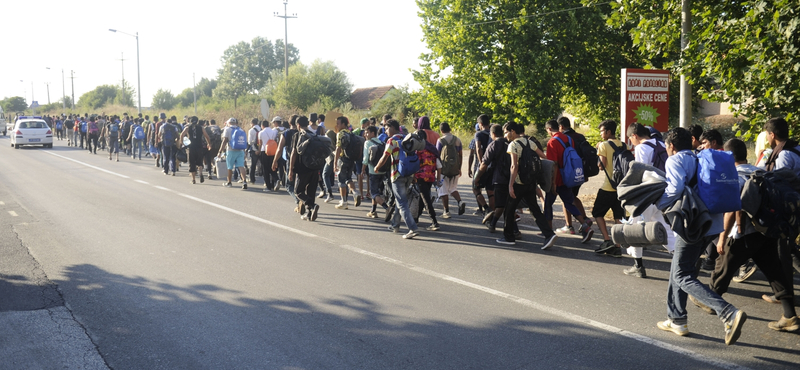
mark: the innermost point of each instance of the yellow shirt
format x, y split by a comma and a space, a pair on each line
605, 150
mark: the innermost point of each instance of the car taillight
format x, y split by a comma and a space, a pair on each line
49, 132
19, 132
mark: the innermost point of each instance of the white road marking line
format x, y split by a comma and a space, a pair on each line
88, 165
142, 182
2, 203
519, 300
13, 213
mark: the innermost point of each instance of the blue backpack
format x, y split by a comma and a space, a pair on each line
138, 133
408, 164
571, 166
83, 126
238, 139
717, 181
58, 125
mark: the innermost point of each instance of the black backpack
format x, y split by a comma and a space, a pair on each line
589, 155
620, 162
778, 212
659, 155
355, 148
530, 166
313, 150
375, 155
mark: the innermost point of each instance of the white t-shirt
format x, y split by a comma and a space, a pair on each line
266, 134
644, 152
252, 136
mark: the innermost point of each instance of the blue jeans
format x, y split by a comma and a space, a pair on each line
566, 196
138, 145
169, 158
327, 177
290, 185
682, 282
400, 188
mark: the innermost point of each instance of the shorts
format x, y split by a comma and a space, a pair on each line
113, 145
375, 183
449, 186
607, 200
234, 158
485, 182
576, 189
345, 173
358, 169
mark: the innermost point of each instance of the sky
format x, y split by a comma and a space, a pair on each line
375, 42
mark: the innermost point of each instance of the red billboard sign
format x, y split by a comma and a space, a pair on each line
645, 98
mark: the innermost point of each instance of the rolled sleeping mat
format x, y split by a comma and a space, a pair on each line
649, 233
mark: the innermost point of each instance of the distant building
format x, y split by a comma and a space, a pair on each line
362, 99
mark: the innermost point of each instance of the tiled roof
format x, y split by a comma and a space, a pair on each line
363, 98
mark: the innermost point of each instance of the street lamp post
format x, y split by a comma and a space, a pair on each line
138, 71
285, 17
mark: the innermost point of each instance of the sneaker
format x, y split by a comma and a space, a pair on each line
202, 179
487, 217
433, 227
227, 184
394, 229
329, 199
244, 186
733, 328
277, 187
462, 207
770, 298
411, 234
314, 212
747, 270
518, 235
708, 264
357, 202
614, 252
702, 306
491, 227
517, 217
478, 212
668, 325
785, 324
635, 272
372, 214
297, 209
549, 242
341, 205
240, 181
606, 245
505, 242
446, 215
587, 232
321, 195
304, 217
566, 230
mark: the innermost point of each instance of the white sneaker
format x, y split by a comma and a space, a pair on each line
668, 325
446, 215
329, 199
341, 205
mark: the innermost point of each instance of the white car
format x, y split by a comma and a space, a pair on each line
31, 131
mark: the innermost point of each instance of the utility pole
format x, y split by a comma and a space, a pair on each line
48, 91
285, 17
194, 92
685, 114
122, 59
72, 78
32, 98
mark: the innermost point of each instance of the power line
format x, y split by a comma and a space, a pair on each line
525, 16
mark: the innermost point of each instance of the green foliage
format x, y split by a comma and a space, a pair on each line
13, 104
321, 82
246, 67
164, 100
497, 57
742, 52
396, 102
100, 96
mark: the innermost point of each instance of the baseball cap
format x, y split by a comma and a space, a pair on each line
232, 120
364, 120
162, 115
277, 119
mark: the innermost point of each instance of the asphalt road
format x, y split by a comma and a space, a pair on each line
162, 274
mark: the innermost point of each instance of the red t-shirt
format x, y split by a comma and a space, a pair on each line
555, 153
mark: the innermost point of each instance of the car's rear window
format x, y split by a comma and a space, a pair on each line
32, 124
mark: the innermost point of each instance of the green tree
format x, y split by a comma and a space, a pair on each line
13, 104
100, 96
320, 82
163, 99
126, 96
396, 102
246, 67
742, 52
518, 60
